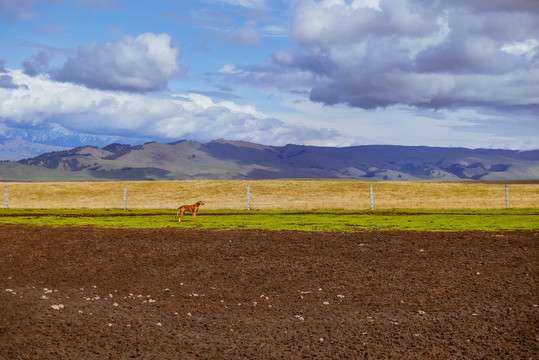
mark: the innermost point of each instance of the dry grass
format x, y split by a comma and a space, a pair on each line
272, 195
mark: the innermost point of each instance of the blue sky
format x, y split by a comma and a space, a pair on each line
329, 72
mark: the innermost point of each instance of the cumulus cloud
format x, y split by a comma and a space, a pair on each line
137, 64
428, 54
6, 81
38, 64
41, 102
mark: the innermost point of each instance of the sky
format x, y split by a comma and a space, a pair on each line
451, 73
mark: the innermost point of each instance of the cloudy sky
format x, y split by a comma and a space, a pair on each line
315, 72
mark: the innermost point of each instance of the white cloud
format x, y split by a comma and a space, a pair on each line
139, 64
427, 54
529, 48
374, 4
39, 102
229, 69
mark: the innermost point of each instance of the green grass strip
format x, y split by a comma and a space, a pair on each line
332, 220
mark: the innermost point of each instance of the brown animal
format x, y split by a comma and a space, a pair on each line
190, 208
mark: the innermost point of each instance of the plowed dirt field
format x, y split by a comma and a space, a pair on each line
90, 293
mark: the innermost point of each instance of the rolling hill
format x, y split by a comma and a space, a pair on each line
238, 160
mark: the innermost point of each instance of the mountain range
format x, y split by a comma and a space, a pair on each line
239, 160
16, 149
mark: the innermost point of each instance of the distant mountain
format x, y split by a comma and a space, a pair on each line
55, 136
228, 160
16, 149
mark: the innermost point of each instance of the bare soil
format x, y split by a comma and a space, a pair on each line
89, 293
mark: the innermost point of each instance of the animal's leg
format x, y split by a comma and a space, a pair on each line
181, 214
194, 216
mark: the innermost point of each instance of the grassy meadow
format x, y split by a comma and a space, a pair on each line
329, 220
270, 195
310, 205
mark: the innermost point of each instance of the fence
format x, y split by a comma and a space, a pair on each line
272, 195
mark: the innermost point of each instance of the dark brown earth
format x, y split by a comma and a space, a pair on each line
186, 294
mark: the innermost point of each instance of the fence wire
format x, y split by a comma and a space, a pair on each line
272, 195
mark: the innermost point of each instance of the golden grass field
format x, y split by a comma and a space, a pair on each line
271, 195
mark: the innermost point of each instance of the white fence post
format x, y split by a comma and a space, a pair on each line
125, 197
248, 197
506, 196
372, 200
7, 198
